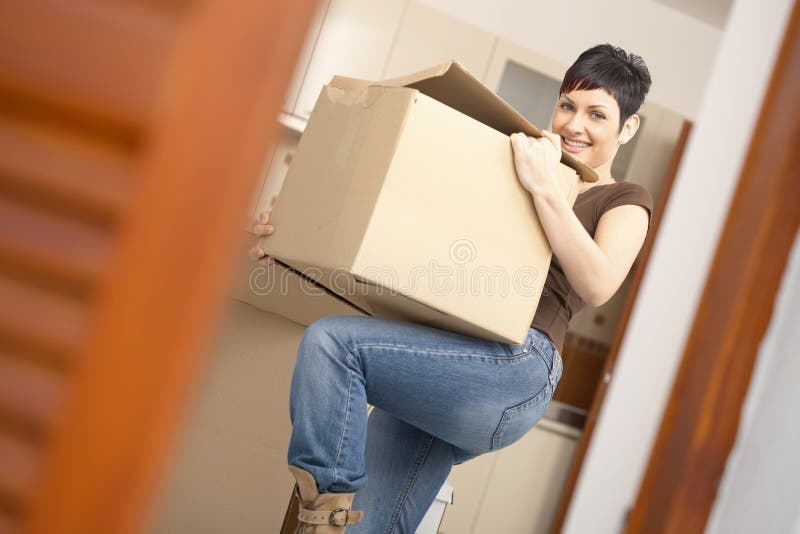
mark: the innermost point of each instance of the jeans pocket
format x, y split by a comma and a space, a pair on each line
518, 420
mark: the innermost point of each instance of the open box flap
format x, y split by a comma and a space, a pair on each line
452, 85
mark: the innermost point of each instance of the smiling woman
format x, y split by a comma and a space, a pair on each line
442, 398
595, 241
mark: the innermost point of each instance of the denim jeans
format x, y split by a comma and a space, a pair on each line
439, 399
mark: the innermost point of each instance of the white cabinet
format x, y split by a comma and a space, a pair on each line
516, 489
525, 80
354, 40
304, 58
428, 37
506, 51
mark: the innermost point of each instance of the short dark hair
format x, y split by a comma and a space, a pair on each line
623, 75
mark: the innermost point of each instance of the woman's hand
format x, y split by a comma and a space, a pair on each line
536, 160
262, 228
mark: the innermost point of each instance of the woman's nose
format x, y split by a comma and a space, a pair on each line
575, 124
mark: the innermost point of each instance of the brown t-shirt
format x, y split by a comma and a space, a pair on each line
559, 302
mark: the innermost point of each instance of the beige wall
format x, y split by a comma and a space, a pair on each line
229, 472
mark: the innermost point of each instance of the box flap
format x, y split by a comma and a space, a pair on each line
346, 83
451, 84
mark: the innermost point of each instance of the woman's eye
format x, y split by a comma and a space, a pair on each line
566, 106
597, 115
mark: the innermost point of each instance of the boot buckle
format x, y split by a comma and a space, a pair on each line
332, 518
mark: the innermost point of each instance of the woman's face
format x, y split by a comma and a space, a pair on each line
588, 123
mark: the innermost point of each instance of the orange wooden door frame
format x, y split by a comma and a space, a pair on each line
701, 420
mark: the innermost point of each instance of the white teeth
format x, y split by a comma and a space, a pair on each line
576, 144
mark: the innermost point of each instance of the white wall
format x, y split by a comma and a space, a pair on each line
679, 50
759, 489
676, 273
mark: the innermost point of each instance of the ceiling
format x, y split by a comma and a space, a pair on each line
713, 12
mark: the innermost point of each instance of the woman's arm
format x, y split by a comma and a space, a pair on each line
595, 268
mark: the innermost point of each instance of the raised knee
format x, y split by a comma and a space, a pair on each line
324, 332
319, 330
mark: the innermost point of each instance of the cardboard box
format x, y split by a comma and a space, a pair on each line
281, 290
402, 197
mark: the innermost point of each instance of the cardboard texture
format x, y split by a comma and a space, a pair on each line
403, 198
283, 291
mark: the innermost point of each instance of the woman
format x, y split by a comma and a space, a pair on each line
441, 398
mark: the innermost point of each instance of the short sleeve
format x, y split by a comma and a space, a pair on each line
628, 193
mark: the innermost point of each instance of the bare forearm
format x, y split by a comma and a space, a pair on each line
586, 266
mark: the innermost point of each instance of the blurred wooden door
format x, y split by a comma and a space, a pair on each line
701, 420
131, 134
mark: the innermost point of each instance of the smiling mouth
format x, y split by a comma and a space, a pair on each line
575, 144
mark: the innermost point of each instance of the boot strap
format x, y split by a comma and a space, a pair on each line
339, 517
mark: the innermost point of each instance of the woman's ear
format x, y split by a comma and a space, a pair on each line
629, 129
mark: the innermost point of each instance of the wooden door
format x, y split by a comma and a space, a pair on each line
131, 135
701, 420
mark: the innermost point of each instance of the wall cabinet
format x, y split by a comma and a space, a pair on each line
516, 489
428, 37
506, 51
304, 59
354, 40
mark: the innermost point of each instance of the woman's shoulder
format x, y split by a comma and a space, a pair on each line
621, 193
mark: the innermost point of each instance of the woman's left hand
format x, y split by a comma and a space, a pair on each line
536, 160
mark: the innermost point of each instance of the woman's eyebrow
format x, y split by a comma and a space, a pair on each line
592, 106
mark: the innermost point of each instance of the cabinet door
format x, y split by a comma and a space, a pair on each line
428, 37
355, 40
506, 51
523, 492
515, 489
304, 58
469, 481
525, 80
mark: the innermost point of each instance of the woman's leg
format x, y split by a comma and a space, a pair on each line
472, 394
405, 469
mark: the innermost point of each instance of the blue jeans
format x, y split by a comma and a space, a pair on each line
439, 399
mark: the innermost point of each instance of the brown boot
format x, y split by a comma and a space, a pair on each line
290, 518
326, 513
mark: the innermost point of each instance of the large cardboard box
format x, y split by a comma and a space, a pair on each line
402, 197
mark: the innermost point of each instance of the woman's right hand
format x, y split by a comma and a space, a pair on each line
262, 228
